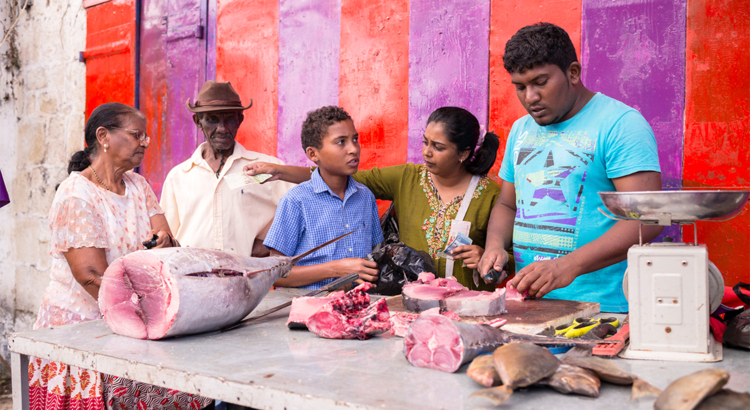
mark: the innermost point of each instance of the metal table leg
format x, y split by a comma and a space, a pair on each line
19, 365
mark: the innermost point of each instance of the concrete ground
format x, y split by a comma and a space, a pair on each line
6, 403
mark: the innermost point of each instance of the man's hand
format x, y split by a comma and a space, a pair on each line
541, 278
256, 168
367, 270
471, 254
492, 259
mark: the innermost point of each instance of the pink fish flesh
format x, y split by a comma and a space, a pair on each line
400, 321
512, 294
158, 293
427, 293
436, 342
305, 306
351, 316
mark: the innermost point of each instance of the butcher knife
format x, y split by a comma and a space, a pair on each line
338, 283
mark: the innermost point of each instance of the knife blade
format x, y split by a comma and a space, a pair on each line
340, 282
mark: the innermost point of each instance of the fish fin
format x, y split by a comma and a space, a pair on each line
497, 395
302, 255
643, 388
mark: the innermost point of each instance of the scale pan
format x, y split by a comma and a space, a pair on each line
681, 206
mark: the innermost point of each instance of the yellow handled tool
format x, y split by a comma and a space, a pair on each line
582, 325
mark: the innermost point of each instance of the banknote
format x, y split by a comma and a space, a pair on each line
453, 243
240, 179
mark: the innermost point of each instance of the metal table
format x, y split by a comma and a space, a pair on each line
267, 366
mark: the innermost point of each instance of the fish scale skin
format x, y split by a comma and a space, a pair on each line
191, 287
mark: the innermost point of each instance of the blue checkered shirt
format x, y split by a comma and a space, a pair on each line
311, 214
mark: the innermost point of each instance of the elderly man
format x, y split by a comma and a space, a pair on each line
202, 209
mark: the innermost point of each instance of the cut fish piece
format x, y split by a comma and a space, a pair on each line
512, 294
305, 306
351, 316
428, 293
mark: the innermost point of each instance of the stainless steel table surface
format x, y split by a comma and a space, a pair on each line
267, 366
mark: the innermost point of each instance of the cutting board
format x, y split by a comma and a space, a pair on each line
530, 316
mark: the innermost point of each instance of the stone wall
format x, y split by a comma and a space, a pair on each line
42, 102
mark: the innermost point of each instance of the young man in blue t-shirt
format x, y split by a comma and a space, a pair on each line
330, 204
573, 144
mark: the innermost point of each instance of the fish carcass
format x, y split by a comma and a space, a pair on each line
351, 316
687, 392
158, 293
573, 379
401, 321
436, 342
427, 292
611, 373
518, 365
726, 399
482, 370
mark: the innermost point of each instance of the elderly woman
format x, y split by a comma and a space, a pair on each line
450, 193
101, 212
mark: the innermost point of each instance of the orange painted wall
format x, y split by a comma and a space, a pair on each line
717, 123
110, 54
507, 17
374, 76
247, 55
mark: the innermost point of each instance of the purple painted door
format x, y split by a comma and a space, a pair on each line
174, 65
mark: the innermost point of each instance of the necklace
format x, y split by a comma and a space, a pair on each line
221, 165
102, 182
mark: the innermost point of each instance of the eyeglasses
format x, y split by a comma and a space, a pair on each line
137, 134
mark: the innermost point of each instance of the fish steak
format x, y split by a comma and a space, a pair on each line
427, 292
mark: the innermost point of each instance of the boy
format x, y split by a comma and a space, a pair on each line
327, 206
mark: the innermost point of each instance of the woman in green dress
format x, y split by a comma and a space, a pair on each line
428, 198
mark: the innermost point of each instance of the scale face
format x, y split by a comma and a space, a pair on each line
668, 284
669, 303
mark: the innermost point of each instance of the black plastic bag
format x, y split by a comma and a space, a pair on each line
738, 328
389, 225
398, 264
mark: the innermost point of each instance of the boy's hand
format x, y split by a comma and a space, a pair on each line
263, 168
367, 270
471, 254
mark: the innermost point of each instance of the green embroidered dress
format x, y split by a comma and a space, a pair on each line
424, 219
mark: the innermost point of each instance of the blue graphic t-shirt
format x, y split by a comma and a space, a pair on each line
557, 171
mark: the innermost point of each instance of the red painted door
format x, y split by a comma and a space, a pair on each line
173, 68
110, 53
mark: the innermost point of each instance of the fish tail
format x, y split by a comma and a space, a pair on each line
643, 388
300, 256
497, 395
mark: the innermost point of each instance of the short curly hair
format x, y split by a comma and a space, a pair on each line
317, 122
536, 45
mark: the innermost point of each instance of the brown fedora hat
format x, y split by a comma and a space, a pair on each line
217, 97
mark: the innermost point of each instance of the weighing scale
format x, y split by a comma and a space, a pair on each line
672, 287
